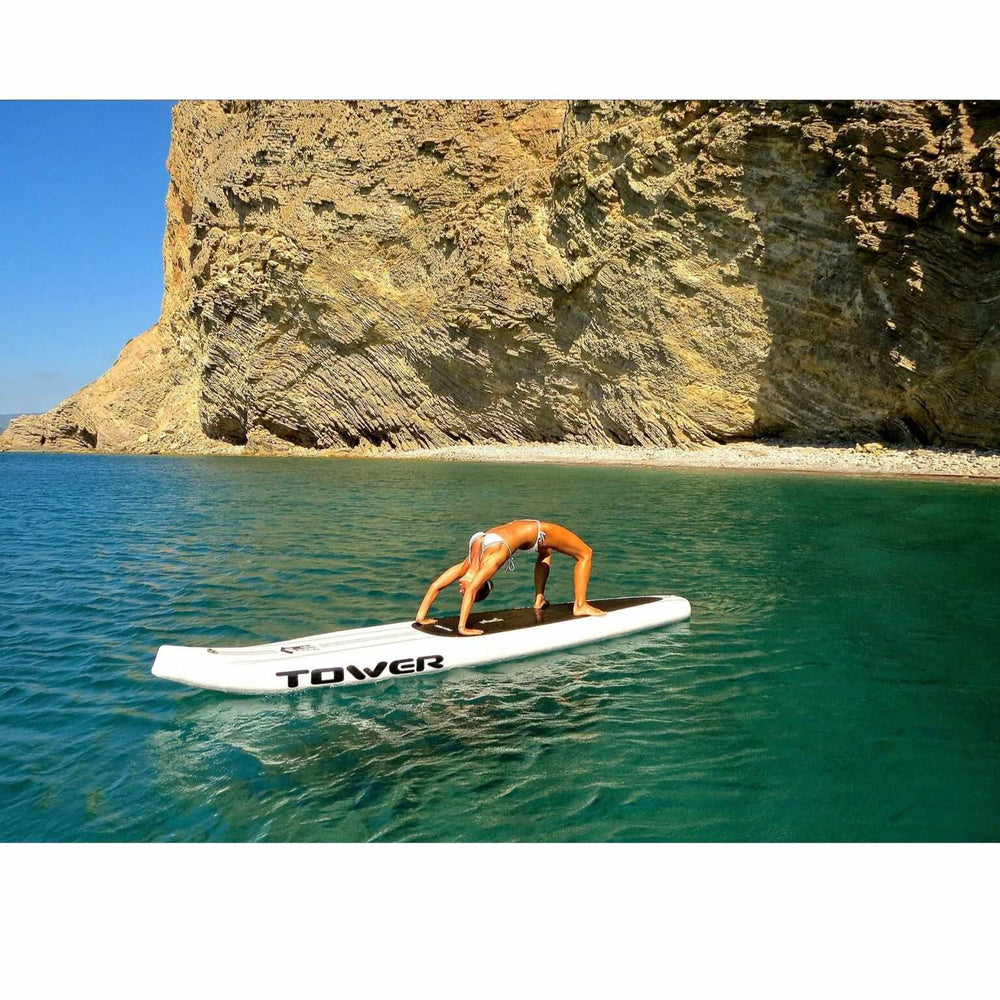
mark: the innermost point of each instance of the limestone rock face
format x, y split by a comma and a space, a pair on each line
377, 274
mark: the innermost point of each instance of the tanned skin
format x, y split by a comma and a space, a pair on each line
479, 567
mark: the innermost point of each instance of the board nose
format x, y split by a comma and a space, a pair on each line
166, 664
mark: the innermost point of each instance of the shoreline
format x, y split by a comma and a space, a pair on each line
868, 459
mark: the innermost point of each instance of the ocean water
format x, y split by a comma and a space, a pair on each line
838, 679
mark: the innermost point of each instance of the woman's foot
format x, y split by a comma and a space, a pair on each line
541, 602
470, 631
587, 609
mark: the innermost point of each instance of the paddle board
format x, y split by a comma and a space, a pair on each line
366, 655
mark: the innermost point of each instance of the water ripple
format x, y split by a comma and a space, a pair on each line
835, 682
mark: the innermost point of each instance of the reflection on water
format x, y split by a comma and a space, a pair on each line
836, 681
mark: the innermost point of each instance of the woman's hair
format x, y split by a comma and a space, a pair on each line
484, 591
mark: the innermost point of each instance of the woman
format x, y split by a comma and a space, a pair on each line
489, 550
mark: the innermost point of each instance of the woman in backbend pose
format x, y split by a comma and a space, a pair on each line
489, 550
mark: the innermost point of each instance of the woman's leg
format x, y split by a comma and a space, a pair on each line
542, 566
560, 539
581, 577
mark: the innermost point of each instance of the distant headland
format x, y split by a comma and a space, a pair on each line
6, 418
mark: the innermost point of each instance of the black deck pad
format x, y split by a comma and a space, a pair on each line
511, 619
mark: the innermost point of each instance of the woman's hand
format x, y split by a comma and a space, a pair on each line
448, 577
470, 631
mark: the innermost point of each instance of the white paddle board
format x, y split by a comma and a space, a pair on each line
365, 655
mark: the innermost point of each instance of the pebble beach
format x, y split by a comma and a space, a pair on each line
869, 458
863, 458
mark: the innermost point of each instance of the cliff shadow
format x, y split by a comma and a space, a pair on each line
878, 302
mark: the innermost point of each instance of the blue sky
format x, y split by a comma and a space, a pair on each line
83, 185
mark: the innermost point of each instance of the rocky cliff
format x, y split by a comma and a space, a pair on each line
344, 274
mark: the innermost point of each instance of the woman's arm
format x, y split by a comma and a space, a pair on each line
448, 577
488, 566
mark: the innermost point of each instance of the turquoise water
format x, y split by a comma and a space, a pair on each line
838, 679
